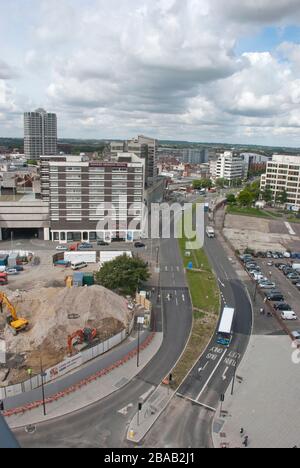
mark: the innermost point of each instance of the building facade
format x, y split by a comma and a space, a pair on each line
283, 174
229, 166
40, 134
90, 200
146, 149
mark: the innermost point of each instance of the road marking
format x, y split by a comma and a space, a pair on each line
166, 268
176, 301
183, 297
222, 284
224, 376
202, 368
290, 229
178, 268
212, 374
210, 408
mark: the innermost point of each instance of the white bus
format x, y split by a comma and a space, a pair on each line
225, 331
78, 265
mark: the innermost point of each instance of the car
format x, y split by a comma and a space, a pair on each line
18, 268
139, 245
275, 255
275, 297
287, 254
269, 255
246, 258
267, 285
288, 315
295, 281
62, 248
85, 246
284, 306
279, 265
102, 243
270, 264
296, 335
12, 271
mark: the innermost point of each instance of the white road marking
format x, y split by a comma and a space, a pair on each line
222, 284
202, 368
290, 229
176, 301
166, 268
178, 268
183, 297
212, 374
224, 376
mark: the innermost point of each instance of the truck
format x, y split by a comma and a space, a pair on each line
210, 232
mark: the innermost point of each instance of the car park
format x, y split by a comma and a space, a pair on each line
288, 315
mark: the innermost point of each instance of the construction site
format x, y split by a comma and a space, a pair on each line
46, 321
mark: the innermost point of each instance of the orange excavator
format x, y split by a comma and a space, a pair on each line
87, 335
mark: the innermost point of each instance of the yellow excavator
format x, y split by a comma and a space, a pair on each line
15, 323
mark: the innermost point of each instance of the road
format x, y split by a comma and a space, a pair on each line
102, 424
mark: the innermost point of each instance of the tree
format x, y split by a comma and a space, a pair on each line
231, 198
282, 197
124, 274
245, 198
202, 184
267, 194
220, 183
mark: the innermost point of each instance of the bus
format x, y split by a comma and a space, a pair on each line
225, 331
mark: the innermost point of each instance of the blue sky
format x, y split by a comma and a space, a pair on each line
201, 70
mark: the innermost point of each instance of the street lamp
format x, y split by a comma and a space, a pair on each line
43, 374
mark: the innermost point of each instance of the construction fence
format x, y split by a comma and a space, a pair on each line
67, 365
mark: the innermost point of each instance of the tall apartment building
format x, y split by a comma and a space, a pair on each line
40, 134
283, 174
229, 166
94, 199
195, 156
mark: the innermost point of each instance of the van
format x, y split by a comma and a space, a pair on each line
288, 315
78, 265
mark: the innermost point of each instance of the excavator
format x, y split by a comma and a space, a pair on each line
87, 335
15, 323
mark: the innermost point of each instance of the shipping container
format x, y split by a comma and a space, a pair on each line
88, 279
78, 280
87, 257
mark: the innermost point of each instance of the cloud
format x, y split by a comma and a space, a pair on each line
6, 72
259, 11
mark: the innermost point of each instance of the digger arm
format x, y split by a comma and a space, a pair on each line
4, 300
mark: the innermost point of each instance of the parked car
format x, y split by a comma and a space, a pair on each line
287, 255
269, 255
12, 271
289, 315
296, 335
139, 245
267, 285
275, 297
282, 307
85, 246
62, 248
102, 243
18, 268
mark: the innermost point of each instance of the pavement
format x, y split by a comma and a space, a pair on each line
265, 399
90, 393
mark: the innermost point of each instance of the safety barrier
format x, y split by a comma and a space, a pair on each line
79, 385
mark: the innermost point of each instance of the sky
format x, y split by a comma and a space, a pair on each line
197, 70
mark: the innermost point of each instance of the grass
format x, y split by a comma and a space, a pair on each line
250, 211
206, 306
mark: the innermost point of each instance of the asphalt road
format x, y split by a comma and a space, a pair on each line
102, 424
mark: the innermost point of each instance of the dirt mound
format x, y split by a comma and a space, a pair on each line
54, 313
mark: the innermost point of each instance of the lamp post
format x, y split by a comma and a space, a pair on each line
43, 386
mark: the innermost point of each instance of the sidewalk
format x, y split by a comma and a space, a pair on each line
91, 392
265, 398
151, 410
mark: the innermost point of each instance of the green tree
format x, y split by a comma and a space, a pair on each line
267, 194
220, 183
124, 274
202, 183
245, 198
231, 198
282, 197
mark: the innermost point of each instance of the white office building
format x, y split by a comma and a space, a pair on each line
283, 174
229, 166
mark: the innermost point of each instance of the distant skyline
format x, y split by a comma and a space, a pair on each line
193, 70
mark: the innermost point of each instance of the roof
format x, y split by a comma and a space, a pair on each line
226, 321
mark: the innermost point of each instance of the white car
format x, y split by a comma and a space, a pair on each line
287, 255
289, 315
62, 248
267, 285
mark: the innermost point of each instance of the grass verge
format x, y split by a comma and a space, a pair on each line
206, 306
254, 212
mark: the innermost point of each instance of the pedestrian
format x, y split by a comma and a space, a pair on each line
246, 441
262, 311
242, 431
